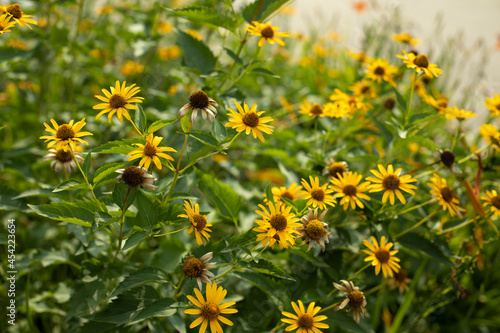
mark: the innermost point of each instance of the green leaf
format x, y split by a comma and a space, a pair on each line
266, 267
233, 56
86, 166
269, 193
185, 124
160, 308
37, 192
419, 243
80, 212
139, 278
160, 124
140, 119
401, 100
218, 131
196, 54
70, 184
268, 7
102, 219
118, 147
204, 138
147, 213
205, 16
265, 72
385, 132
239, 241
226, 200
120, 193
274, 290
168, 214
134, 240
108, 169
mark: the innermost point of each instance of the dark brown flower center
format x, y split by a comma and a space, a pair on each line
379, 71
315, 229
318, 194
364, 89
287, 195
2, 28
400, 276
200, 221
149, 150
316, 110
448, 194
193, 267
350, 190
15, 10
356, 299
210, 310
448, 158
442, 103
251, 119
497, 106
117, 101
267, 32
277, 237
426, 79
133, 176
64, 156
336, 168
421, 61
383, 255
305, 321
389, 103
495, 201
199, 100
278, 222
65, 132
391, 182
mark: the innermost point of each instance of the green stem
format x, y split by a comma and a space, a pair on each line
138, 130
329, 307
226, 272
176, 295
176, 172
316, 134
455, 139
120, 236
28, 311
70, 191
468, 157
408, 107
243, 73
417, 224
359, 271
246, 255
91, 189
416, 207
171, 232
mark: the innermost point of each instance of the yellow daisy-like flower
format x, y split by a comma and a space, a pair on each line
5, 24
291, 193
334, 169
18, 15
491, 134
118, 101
459, 114
360, 56
493, 104
381, 256
210, 310
446, 196
351, 103
312, 110
405, 38
380, 70
390, 181
318, 195
337, 110
304, 321
249, 120
198, 222
150, 152
277, 224
420, 63
348, 188
267, 32
354, 298
363, 89
440, 104
492, 198
65, 135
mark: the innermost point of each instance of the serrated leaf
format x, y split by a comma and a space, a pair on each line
70, 184
118, 147
107, 170
168, 214
206, 16
147, 213
226, 200
239, 241
265, 72
160, 308
140, 118
267, 8
204, 138
273, 289
196, 54
147, 275
86, 166
120, 193
134, 240
80, 212
218, 131
266, 267
419, 243
160, 124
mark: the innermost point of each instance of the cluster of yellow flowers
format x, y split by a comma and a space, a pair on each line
12, 15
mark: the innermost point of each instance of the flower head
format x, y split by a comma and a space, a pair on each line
405, 38
65, 135
363, 89
318, 195
210, 310
198, 268
313, 229
334, 169
277, 225
150, 152
381, 256
15, 11
492, 198
266, 32
199, 101
390, 182
420, 63
348, 102
380, 70
400, 280
199, 223
134, 176
62, 159
445, 195
249, 120
118, 100
360, 56
312, 110
493, 104
491, 134
5, 23
348, 188
304, 321
459, 114
354, 298
290, 193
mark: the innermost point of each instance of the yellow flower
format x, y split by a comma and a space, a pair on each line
354, 298
118, 100
333, 168
363, 88
459, 114
277, 225
381, 256
440, 104
312, 110
351, 103
5, 24
131, 67
420, 63
267, 32
164, 27
198, 222
380, 70
150, 152
446, 196
493, 104
390, 181
492, 198
65, 135
211, 310
18, 15
17, 44
304, 321
195, 34
249, 120
318, 195
313, 229
348, 188
291, 193
491, 134
337, 110
169, 52
360, 56
405, 38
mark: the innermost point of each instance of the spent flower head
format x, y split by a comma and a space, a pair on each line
198, 268
134, 176
199, 101
313, 229
354, 298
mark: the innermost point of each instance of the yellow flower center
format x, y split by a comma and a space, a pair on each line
287, 195
251, 119
318, 194
350, 190
15, 10
448, 194
149, 150
210, 310
316, 110
421, 61
267, 32
117, 101
200, 221
495, 201
278, 222
448, 158
391, 182
65, 132
315, 229
64, 156
132, 176
335, 168
305, 321
199, 100
383, 255
379, 70
356, 299
193, 267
